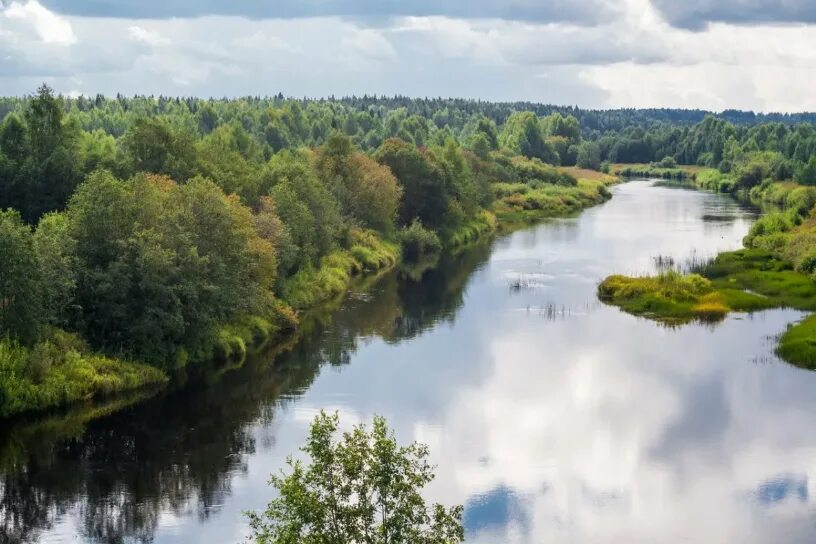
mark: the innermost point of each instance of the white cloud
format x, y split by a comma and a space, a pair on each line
633, 58
371, 44
148, 37
49, 27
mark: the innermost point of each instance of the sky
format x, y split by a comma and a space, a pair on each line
710, 54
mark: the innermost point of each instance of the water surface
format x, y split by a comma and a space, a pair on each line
551, 417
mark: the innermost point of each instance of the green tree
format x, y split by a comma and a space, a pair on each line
362, 488
426, 188
153, 146
44, 121
43, 158
807, 173
566, 127
589, 156
159, 264
54, 248
21, 313
230, 157
306, 207
522, 134
480, 146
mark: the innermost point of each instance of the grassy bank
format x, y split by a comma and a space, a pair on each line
645, 170
776, 270
519, 204
747, 280
367, 254
744, 281
798, 344
60, 370
669, 297
485, 223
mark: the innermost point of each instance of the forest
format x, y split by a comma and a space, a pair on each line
145, 235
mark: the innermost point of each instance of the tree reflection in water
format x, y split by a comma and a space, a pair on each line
123, 463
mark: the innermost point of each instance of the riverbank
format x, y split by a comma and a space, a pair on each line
61, 370
776, 270
646, 170
518, 205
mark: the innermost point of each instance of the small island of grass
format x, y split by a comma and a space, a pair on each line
747, 280
670, 297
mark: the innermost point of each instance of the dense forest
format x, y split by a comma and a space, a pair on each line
143, 235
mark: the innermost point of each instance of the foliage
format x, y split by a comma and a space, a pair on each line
416, 241
522, 134
158, 264
522, 203
21, 313
152, 145
485, 222
668, 296
798, 344
368, 193
362, 487
39, 153
426, 189
712, 179
59, 369
314, 284
652, 171
55, 250
667, 162
306, 207
589, 156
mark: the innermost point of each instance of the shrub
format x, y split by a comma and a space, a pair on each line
416, 241
667, 162
59, 370
798, 344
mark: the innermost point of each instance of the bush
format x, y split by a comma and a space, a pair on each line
416, 241
312, 285
667, 162
59, 370
765, 226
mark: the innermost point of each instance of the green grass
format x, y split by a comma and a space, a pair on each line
711, 179
747, 280
484, 223
522, 204
60, 370
312, 285
669, 297
798, 344
653, 171
753, 279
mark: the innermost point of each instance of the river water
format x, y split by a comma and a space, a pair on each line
551, 417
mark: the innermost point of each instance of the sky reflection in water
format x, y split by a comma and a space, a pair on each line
552, 417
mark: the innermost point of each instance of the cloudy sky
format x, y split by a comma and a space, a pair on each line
713, 54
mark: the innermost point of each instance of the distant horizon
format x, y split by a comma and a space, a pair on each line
381, 97
600, 54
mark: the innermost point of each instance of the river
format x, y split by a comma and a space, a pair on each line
552, 417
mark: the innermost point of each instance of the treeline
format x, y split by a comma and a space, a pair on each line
787, 150
114, 114
181, 237
170, 230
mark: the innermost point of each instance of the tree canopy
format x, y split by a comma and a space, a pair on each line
358, 488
